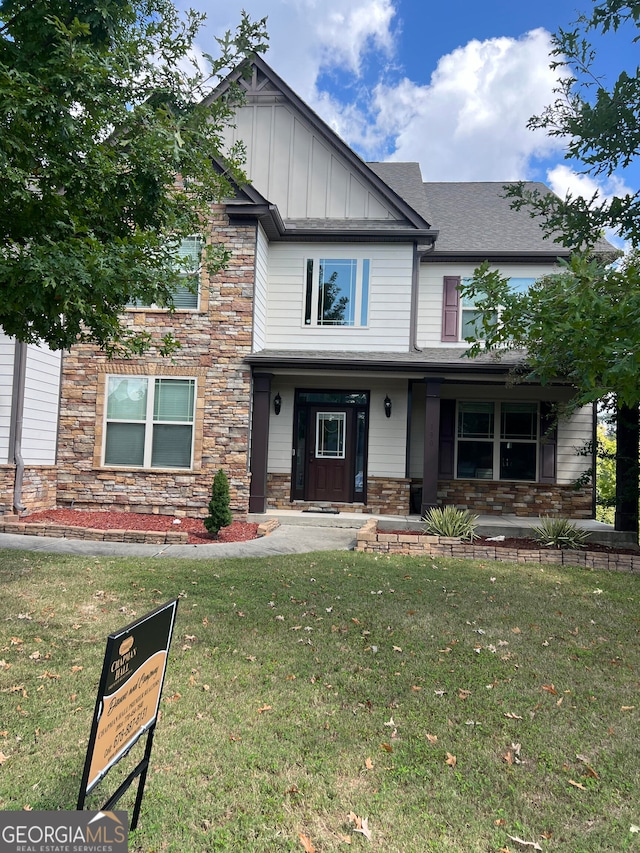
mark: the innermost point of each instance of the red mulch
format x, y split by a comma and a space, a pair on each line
238, 531
532, 545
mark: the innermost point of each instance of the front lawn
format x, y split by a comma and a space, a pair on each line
339, 701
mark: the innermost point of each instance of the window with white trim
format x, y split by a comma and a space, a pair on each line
337, 292
497, 441
149, 422
185, 296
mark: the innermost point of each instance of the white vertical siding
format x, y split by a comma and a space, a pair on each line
260, 292
42, 393
7, 352
295, 167
389, 299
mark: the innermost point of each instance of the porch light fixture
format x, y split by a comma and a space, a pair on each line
277, 404
387, 406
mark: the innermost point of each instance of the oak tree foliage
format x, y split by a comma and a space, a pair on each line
101, 107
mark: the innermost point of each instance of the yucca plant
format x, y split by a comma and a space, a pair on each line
560, 533
450, 521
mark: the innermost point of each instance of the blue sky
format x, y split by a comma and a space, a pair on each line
448, 85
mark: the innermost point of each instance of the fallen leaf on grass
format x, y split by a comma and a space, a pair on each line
464, 694
3, 757
511, 716
264, 708
344, 838
577, 785
634, 828
533, 844
387, 747
433, 739
306, 843
549, 688
627, 707
368, 764
361, 825
77, 668
451, 760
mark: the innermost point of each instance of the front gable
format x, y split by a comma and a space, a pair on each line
299, 164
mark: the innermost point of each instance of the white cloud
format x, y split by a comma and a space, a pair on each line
469, 122
562, 180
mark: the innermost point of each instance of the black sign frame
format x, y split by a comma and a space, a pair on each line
130, 688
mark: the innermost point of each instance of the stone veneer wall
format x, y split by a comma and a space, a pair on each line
522, 499
38, 487
385, 496
214, 341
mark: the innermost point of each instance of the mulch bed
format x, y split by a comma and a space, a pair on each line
238, 531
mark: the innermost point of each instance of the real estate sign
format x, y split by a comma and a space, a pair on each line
129, 693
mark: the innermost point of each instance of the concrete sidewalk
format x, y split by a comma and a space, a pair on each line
286, 539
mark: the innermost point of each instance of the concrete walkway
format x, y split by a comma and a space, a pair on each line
300, 532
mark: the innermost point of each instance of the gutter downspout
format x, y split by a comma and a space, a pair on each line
418, 252
17, 418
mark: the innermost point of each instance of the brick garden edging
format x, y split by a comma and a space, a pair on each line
371, 540
148, 537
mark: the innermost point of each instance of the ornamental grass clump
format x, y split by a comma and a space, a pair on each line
452, 522
560, 533
219, 505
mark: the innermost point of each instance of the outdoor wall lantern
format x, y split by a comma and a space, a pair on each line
387, 406
277, 404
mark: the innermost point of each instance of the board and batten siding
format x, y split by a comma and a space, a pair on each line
260, 291
7, 352
431, 293
295, 167
387, 436
389, 309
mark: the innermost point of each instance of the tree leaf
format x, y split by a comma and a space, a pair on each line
451, 760
306, 843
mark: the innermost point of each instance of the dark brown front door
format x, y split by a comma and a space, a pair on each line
329, 468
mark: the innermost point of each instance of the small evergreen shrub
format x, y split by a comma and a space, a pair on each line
451, 521
219, 505
560, 533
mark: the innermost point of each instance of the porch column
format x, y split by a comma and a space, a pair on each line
627, 433
431, 445
259, 441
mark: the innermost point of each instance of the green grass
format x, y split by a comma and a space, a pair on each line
374, 671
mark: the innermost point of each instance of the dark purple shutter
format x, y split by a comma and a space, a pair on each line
548, 443
447, 439
450, 307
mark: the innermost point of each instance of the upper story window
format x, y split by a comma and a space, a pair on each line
337, 292
149, 422
185, 296
460, 316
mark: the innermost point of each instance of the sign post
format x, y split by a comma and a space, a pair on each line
128, 700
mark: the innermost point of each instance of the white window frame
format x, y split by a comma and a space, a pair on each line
497, 440
361, 298
149, 421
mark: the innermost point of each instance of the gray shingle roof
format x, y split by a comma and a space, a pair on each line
475, 217
429, 359
406, 180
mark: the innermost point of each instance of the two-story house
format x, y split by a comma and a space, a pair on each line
326, 365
